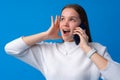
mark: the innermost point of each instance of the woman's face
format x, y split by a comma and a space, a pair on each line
69, 21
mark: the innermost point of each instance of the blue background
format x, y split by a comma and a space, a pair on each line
26, 17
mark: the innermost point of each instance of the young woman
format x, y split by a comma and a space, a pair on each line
66, 61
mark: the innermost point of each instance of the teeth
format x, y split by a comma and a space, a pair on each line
65, 31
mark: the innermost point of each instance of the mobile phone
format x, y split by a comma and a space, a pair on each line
76, 37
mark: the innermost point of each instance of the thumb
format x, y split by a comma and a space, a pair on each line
59, 37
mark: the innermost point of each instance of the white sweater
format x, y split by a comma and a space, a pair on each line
63, 61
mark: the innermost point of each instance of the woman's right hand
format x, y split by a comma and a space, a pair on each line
53, 31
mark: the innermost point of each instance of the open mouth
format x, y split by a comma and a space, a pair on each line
66, 31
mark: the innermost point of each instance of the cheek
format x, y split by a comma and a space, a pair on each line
73, 27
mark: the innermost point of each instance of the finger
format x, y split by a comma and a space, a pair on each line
78, 34
82, 33
52, 20
82, 37
57, 21
59, 37
80, 30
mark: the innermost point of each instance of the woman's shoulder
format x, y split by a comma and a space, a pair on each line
96, 44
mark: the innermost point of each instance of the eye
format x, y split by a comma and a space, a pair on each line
72, 19
61, 19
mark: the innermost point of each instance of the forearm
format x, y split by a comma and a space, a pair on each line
97, 59
31, 40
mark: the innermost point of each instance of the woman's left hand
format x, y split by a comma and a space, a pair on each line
83, 39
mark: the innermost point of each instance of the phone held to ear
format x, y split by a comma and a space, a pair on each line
76, 37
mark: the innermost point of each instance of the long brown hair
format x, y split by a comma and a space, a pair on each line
83, 16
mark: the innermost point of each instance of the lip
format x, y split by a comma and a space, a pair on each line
66, 32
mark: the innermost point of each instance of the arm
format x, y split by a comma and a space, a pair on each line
32, 39
99, 61
52, 33
27, 50
109, 69
15, 46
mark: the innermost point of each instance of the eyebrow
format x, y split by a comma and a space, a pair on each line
71, 16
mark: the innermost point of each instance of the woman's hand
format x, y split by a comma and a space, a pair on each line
83, 39
52, 32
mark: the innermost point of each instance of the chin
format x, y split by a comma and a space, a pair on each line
67, 39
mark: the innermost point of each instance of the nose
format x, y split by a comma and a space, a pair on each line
66, 23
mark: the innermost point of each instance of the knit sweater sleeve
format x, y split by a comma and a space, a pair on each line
31, 55
112, 70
